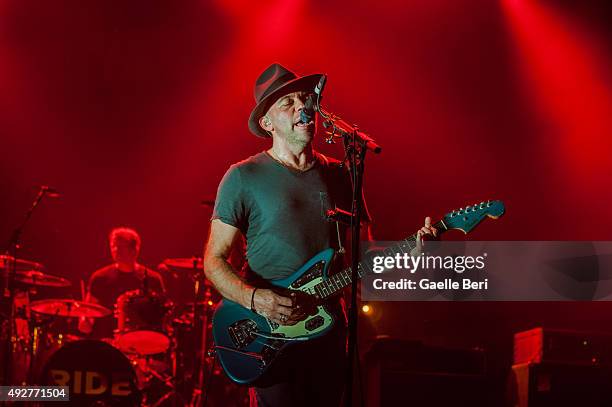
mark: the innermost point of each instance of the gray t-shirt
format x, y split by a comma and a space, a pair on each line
281, 212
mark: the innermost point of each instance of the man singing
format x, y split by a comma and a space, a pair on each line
277, 200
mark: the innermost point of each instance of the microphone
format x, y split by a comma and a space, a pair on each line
321, 85
308, 112
50, 191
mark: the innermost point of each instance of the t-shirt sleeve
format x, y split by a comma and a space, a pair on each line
230, 206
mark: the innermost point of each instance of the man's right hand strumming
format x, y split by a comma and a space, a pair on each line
279, 309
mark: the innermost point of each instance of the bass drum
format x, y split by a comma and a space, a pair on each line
96, 373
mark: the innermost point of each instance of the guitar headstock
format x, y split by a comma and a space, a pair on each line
466, 219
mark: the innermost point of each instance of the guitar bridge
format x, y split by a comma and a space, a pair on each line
241, 332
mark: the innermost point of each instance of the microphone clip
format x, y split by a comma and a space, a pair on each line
339, 215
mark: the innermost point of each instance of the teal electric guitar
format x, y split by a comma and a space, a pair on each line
247, 343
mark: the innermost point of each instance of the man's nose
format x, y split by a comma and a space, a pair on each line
299, 104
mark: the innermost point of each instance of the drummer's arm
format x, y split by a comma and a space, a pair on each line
162, 286
92, 299
86, 324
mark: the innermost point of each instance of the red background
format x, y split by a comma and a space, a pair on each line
134, 110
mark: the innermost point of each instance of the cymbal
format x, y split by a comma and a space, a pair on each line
6, 261
69, 308
185, 263
40, 279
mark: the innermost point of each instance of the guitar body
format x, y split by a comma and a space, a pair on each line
245, 356
247, 343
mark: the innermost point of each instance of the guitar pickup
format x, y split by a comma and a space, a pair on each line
314, 323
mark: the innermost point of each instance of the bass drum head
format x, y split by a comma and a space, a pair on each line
96, 373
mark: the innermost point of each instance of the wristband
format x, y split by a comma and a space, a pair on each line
253, 300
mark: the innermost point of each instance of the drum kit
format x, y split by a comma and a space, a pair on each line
149, 361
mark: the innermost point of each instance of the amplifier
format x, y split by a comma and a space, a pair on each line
559, 385
542, 345
408, 373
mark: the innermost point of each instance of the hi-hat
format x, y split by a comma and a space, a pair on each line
7, 261
40, 279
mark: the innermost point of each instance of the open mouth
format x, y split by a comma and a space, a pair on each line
302, 124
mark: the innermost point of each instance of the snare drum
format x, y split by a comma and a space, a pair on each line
142, 323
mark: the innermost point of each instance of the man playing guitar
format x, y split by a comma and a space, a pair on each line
277, 200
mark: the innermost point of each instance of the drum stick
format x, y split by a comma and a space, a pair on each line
82, 290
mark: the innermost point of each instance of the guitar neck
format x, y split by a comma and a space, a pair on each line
335, 283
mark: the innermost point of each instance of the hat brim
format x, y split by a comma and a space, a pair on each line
307, 82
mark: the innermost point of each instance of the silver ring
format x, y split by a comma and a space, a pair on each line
283, 318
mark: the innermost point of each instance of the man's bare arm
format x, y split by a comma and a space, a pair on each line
223, 276
217, 267
86, 324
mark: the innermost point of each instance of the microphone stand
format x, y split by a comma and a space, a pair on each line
356, 156
356, 144
9, 292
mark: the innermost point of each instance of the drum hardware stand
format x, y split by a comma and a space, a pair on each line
200, 320
38, 327
34, 327
169, 382
14, 245
206, 389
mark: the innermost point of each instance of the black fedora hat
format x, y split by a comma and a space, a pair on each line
273, 83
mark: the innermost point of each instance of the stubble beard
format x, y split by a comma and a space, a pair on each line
300, 139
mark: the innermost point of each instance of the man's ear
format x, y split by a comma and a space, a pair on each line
265, 123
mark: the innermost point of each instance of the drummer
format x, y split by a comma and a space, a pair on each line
125, 274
